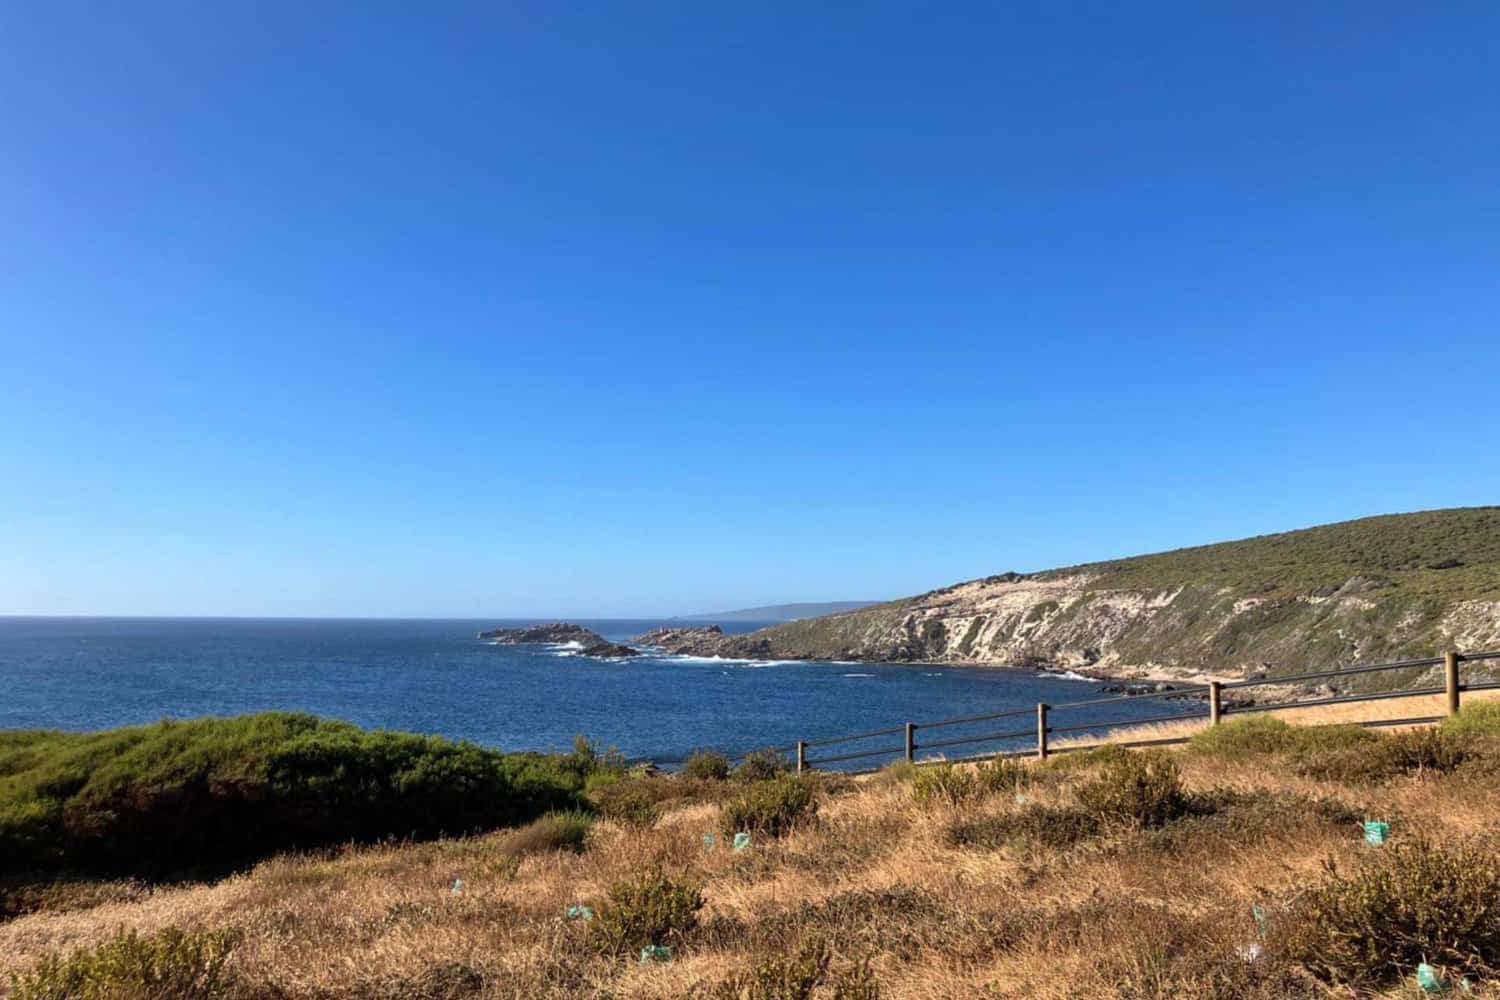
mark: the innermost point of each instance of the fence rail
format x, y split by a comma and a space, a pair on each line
1213, 713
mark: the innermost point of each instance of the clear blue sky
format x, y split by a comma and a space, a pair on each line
618, 309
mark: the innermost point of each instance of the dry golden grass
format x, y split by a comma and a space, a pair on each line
1126, 914
1317, 715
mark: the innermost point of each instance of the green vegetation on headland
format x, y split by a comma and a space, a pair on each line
1379, 588
209, 794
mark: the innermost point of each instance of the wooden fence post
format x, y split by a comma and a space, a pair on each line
1041, 731
911, 741
1450, 680
801, 756
1215, 703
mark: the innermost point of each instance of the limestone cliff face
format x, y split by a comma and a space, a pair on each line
1377, 589
1065, 621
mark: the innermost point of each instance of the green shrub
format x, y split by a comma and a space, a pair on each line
1404, 904
1477, 718
1262, 734
1242, 737
771, 808
1069, 761
1142, 789
185, 797
706, 765
1003, 775
762, 765
630, 803
169, 964
1412, 752
943, 783
650, 909
559, 831
947, 783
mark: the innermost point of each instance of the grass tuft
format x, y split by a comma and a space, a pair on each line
172, 964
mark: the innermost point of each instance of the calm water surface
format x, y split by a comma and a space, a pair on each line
434, 676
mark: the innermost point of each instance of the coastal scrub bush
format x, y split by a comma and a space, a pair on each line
1262, 734
1141, 789
943, 783
1407, 903
706, 765
630, 803
1069, 761
1242, 737
559, 831
947, 783
651, 908
771, 808
1412, 752
588, 761
172, 964
1476, 719
762, 765
210, 794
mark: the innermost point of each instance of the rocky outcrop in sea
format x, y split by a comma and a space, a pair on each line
551, 632
589, 642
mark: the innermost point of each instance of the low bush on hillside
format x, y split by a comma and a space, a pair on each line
559, 831
651, 908
1414, 752
170, 964
706, 765
946, 783
1476, 719
1223, 817
633, 803
1141, 789
762, 765
186, 797
771, 808
1263, 734
1402, 905
1071, 761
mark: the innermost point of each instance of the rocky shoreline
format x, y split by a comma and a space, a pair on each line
713, 641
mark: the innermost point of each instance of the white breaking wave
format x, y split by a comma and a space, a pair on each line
1064, 675
857, 675
733, 661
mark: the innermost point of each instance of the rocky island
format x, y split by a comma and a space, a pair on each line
589, 642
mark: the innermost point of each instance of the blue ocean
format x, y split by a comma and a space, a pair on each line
435, 676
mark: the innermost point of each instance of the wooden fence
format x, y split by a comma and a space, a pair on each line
1213, 711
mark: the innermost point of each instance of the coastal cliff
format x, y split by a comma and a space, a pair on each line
1380, 588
